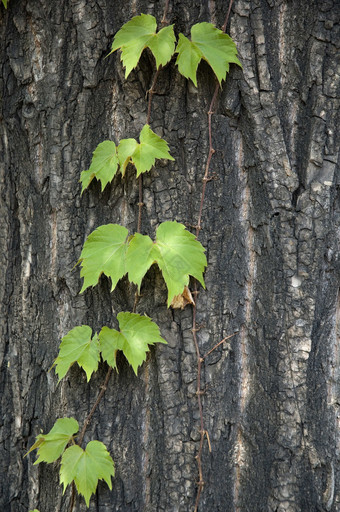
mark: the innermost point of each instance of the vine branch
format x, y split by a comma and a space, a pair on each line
150, 94
86, 423
200, 359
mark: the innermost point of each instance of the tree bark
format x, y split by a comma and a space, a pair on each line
271, 224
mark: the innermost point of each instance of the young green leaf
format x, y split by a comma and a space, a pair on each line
135, 335
103, 167
5, 3
208, 43
142, 155
177, 253
86, 467
78, 347
104, 253
140, 33
50, 446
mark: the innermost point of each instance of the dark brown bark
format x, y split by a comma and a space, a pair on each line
270, 225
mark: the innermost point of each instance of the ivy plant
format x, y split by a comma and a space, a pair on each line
111, 251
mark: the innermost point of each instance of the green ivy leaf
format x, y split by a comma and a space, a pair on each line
140, 33
86, 467
50, 446
103, 167
208, 43
78, 347
142, 155
135, 335
104, 253
177, 253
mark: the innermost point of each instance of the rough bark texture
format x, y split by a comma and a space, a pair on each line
271, 228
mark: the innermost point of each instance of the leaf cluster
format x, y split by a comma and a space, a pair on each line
207, 43
84, 467
136, 333
108, 250
108, 158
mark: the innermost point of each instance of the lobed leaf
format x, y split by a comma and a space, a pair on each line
103, 167
104, 253
177, 253
142, 155
78, 346
140, 33
208, 43
136, 334
50, 446
86, 467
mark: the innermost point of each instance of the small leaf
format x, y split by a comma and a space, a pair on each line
177, 253
142, 155
140, 33
50, 446
208, 43
5, 2
103, 167
104, 253
136, 334
77, 346
86, 467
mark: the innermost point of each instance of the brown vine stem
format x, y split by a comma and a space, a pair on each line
86, 423
199, 391
150, 94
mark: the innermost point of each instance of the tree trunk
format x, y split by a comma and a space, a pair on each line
271, 223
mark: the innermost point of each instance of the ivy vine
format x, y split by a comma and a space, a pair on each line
111, 251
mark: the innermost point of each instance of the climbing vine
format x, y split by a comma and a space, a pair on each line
112, 251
